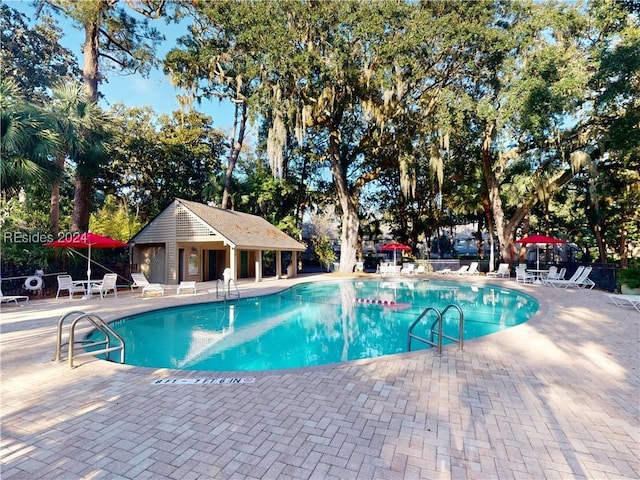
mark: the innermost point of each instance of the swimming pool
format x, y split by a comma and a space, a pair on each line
313, 324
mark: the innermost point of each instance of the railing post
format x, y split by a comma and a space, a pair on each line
58, 353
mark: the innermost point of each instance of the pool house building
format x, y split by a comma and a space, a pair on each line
190, 241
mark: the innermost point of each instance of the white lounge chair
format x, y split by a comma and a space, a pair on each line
65, 282
461, 271
12, 298
407, 269
421, 270
626, 301
503, 271
472, 270
108, 284
186, 287
555, 274
140, 281
562, 282
584, 281
580, 279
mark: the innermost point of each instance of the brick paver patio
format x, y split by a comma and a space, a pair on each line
557, 397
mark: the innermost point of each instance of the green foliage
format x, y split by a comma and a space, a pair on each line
115, 220
126, 42
23, 231
33, 55
385, 109
629, 276
323, 248
156, 159
27, 140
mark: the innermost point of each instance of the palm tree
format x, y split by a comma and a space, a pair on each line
27, 140
79, 124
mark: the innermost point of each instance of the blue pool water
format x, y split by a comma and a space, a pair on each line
314, 324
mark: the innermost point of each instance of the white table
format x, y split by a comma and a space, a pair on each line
538, 275
86, 284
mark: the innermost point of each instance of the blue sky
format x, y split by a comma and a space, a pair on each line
135, 90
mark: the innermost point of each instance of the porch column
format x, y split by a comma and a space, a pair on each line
233, 263
294, 264
258, 265
278, 264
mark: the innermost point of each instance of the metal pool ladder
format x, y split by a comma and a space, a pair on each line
99, 325
226, 289
436, 329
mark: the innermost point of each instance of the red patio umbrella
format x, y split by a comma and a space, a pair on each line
540, 239
86, 240
394, 247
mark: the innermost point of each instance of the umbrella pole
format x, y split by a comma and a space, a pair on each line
89, 272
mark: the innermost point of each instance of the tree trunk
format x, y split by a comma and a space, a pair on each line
83, 184
90, 73
55, 199
234, 153
81, 204
507, 248
349, 205
491, 229
624, 252
602, 251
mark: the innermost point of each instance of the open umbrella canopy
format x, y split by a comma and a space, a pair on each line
394, 247
540, 239
87, 240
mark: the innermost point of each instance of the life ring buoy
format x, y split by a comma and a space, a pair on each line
33, 283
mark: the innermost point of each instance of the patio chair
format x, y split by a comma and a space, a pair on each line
522, 276
186, 287
140, 281
65, 282
553, 272
503, 271
421, 270
105, 286
12, 298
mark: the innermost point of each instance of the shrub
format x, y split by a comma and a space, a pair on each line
629, 276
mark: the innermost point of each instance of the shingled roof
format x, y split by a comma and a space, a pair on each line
244, 231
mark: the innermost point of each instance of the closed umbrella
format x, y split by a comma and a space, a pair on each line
394, 247
86, 240
539, 239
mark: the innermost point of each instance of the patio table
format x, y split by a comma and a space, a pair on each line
87, 284
538, 275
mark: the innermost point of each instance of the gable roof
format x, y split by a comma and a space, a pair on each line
240, 230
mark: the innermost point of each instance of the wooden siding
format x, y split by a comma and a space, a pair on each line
162, 229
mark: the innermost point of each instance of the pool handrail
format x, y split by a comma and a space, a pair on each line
437, 322
100, 325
